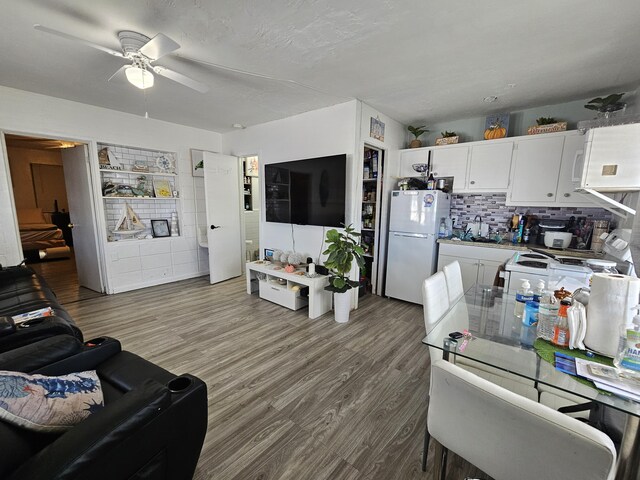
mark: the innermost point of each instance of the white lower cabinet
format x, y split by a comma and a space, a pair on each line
479, 265
284, 295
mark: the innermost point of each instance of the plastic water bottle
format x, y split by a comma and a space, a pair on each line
522, 297
547, 315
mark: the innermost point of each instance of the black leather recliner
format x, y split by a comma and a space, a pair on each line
23, 291
152, 426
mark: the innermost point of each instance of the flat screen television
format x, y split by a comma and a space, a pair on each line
307, 192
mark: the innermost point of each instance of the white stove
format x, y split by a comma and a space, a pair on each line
567, 272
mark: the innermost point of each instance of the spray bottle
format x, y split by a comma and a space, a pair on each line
628, 357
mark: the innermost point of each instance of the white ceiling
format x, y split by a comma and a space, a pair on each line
416, 61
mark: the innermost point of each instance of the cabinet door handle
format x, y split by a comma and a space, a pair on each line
567, 194
472, 182
549, 194
481, 264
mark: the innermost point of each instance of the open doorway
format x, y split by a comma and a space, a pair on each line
251, 200
41, 171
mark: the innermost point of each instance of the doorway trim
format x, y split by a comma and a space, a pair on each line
98, 213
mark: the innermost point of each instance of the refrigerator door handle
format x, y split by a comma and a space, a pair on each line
413, 235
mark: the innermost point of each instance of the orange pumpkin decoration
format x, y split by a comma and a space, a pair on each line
495, 131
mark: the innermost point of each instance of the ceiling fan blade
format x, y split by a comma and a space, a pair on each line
158, 47
110, 51
119, 75
180, 78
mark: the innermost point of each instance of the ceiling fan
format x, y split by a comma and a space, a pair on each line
142, 52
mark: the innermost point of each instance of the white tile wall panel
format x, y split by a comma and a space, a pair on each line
156, 246
186, 269
126, 265
124, 250
189, 231
157, 273
188, 256
188, 218
155, 261
124, 280
181, 244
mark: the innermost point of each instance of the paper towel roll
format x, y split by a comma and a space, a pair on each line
610, 302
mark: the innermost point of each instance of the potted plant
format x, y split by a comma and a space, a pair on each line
608, 105
416, 132
342, 249
447, 138
547, 125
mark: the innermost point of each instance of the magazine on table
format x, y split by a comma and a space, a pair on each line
611, 379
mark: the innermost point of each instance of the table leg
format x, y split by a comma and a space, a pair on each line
629, 455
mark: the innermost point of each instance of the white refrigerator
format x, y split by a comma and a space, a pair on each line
412, 255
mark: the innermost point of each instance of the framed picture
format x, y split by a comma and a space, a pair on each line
496, 126
376, 129
251, 167
162, 189
197, 163
268, 254
160, 228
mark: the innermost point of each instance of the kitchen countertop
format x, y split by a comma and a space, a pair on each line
524, 247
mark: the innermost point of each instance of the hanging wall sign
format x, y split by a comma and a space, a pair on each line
376, 130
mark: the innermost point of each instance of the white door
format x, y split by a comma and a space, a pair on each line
415, 211
536, 167
77, 179
489, 167
411, 259
451, 162
223, 204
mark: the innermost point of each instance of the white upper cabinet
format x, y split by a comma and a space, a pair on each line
489, 167
451, 162
409, 157
573, 146
536, 166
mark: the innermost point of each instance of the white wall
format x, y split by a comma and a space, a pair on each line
472, 129
323, 132
394, 139
29, 113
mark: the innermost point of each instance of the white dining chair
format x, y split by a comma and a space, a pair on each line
508, 436
437, 292
453, 276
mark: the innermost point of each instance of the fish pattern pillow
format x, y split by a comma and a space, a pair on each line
49, 404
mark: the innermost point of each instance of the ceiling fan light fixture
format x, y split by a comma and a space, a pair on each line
139, 77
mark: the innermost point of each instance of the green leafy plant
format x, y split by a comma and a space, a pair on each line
447, 134
610, 103
342, 249
417, 131
545, 121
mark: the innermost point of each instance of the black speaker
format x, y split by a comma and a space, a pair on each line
322, 270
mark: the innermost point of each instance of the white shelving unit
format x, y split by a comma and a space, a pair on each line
147, 207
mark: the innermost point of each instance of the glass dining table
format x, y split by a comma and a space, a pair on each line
499, 340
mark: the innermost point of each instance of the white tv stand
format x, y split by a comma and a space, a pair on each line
319, 299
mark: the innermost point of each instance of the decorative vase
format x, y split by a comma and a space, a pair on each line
447, 140
342, 306
415, 143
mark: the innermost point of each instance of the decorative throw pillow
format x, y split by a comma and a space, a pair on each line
49, 404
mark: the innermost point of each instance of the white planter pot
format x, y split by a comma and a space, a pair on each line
342, 306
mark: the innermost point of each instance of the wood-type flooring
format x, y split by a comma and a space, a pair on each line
289, 397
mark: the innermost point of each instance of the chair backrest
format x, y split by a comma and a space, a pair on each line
435, 300
453, 274
508, 436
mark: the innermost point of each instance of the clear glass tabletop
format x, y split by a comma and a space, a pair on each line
488, 314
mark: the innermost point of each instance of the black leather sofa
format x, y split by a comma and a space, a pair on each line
23, 291
152, 426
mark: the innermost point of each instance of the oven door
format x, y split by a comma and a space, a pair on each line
571, 277
516, 278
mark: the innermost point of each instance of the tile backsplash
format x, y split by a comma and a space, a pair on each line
493, 210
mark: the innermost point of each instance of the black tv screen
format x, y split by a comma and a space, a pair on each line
307, 192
